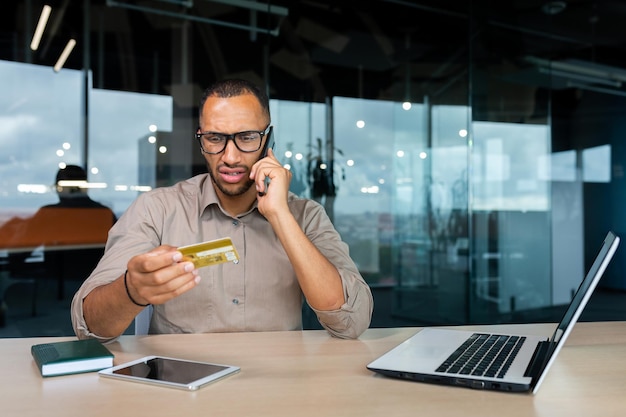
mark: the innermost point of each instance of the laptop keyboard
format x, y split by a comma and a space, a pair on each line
482, 354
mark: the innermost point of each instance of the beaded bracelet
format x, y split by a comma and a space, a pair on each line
128, 292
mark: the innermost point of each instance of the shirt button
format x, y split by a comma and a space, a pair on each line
235, 301
235, 222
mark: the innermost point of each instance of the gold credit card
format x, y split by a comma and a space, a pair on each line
212, 252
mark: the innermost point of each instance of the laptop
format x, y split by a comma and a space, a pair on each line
514, 362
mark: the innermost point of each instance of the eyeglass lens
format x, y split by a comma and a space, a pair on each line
245, 141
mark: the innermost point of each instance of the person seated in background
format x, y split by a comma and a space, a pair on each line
71, 187
72, 232
289, 250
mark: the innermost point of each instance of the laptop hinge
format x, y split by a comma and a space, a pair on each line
538, 360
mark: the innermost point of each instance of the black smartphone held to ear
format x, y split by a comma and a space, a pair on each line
269, 143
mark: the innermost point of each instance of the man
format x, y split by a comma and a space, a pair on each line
72, 232
76, 222
287, 245
70, 185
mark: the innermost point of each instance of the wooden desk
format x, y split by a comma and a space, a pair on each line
311, 374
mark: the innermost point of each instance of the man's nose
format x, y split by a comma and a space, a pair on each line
231, 152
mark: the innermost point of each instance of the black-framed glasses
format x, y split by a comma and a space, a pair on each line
248, 141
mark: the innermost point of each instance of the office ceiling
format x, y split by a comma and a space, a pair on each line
313, 49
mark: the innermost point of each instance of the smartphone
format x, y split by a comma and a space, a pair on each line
269, 143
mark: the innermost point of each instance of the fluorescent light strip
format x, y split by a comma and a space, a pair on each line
72, 183
253, 5
81, 184
580, 77
41, 25
66, 52
597, 89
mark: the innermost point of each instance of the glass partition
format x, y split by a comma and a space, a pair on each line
42, 131
41, 128
127, 132
511, 212
54, 231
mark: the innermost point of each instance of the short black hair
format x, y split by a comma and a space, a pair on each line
71, 173
234, 87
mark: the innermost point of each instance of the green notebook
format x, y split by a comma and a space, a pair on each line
76, 356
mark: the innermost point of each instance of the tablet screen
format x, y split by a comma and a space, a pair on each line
178, 373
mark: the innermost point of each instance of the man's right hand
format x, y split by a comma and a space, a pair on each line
152, 278
158, 276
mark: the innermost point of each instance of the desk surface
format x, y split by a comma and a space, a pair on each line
312, 374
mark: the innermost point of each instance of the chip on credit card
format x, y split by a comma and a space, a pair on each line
211, 252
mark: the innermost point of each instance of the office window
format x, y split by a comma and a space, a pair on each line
597, 164
41, 128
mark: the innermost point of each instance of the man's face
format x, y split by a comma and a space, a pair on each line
230, 169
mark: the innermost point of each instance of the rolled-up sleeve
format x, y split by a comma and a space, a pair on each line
355, 315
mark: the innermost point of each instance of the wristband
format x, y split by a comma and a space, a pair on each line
128, 292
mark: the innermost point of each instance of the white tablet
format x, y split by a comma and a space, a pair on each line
170, 372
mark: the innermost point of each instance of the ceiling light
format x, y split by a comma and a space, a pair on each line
580, 77
596, 89
554, 7
581, 70
66, 52
41, 25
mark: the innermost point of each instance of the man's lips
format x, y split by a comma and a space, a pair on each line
232, 176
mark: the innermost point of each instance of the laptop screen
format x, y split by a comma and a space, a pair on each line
584, 291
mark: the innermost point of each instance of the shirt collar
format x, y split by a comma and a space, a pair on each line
208, 197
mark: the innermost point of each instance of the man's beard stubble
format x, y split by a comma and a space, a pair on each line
240, 191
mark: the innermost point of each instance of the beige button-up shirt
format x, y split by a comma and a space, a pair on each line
260, 293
